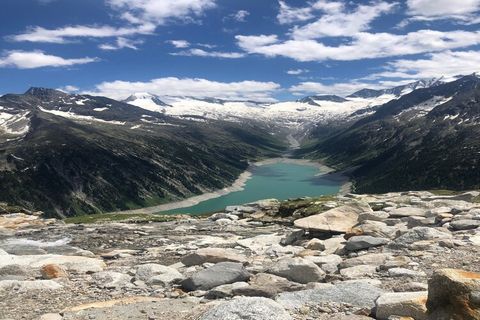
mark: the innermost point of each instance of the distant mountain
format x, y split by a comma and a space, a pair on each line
315, 100
426, 139
397, 91
76, 154
147, 101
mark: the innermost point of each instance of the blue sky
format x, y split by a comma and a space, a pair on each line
238, 49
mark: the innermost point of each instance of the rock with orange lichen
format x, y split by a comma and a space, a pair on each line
454, 295
53, 271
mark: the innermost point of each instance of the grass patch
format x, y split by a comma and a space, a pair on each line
109, 217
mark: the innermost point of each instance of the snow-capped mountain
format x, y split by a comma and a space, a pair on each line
302, 112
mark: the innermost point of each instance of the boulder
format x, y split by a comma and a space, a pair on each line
53, 271
408, 212
260, 243
221, 273
267, 285
374, 229
454, 294
357, 243
111, 279
464, 224
212, 255
404, 304
298, 270
225, 290
152, 273
69, 263
247, 308
373, 216
292, 237
359, 294
315, 244
337, 220
419, 234
25, 286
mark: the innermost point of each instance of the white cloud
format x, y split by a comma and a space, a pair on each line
447, 64
69, 33
438, 9
179, 43
38, 59
363, 45
241, 15
69, 89
212, 54
159, 12
341, 89
296, 72
121, 43
340, 23
289, 14
243, 90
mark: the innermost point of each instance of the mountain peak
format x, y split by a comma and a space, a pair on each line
44, 93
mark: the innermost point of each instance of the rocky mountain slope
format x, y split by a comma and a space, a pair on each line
411, 255
427, 139
74, 154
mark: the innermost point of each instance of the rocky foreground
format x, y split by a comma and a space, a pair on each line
411, 255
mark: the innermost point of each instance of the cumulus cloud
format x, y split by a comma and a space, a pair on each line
69, 89
337, 22
447, 64
363, 45
160, 12
70, 33
212, 54
289, 14
242, 90
38, 59
442, 9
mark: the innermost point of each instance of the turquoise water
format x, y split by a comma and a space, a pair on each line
279, 180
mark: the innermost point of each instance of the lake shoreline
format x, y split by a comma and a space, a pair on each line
239, 184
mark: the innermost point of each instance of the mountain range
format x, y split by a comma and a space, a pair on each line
70, 154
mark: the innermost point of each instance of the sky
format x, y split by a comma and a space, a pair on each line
264, 50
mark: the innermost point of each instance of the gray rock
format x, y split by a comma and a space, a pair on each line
357, 243
267, 285
408, 212
25, 286
225, 290
111, 279
212, 255
153, 273
221, 273
247, 308
373, 216
359, 294
419, 234
358, 272
374, 259
405, 304
328, 263
315, 244
464, 224
292, 237
298, 270
402, 272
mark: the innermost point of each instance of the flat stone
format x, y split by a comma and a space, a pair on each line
261, 243
212, 255
298, 270
419, 234
358, 272
359, 294
214, 276
408, 212
24, 286
69, 263
337, 220
464, 224
402, 272
112, 280
152, 273
267, 285
374, 259
405, 304
225, 290
247, 308
357, 243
